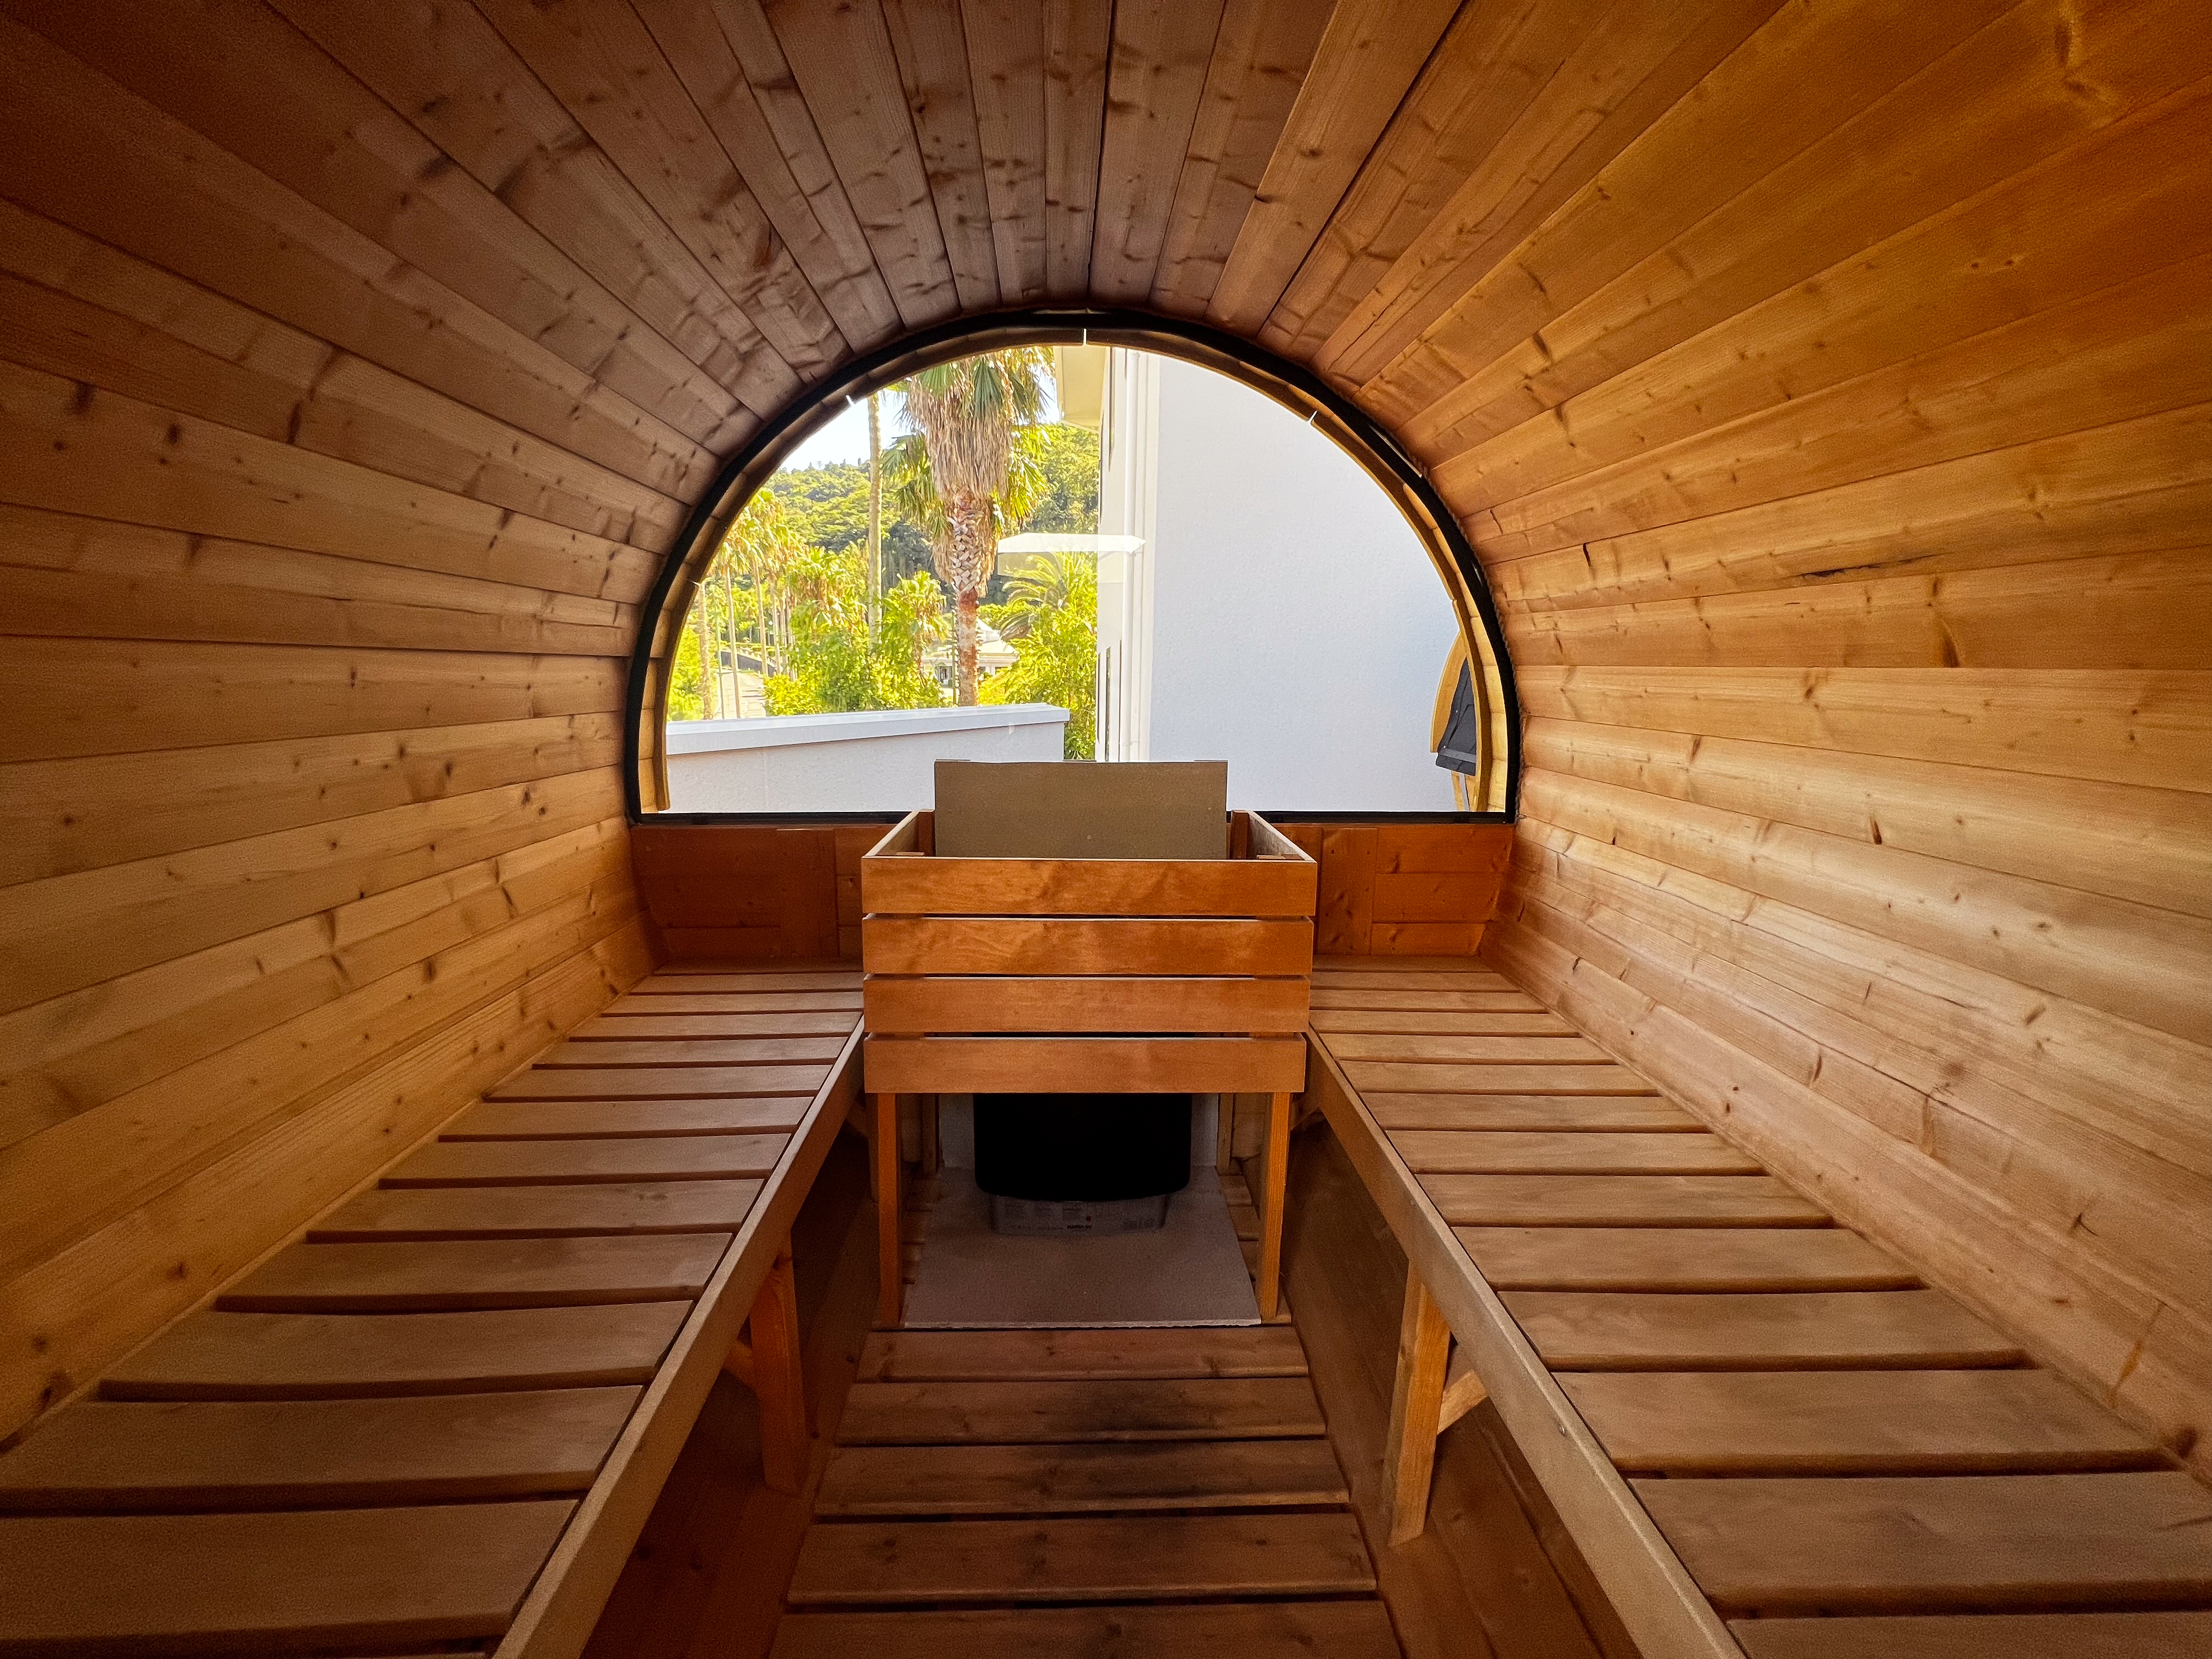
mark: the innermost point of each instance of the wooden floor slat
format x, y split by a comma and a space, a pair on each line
1555, 1114
1473, 1002
1419, 1078
1522, 1200
563, 1163
1606, 1330
1059, 1410
685, 980
1438, 1050
630, 1025
700, 1051
255, 1356
1444, 1021
1942, 1543
659, 1082
325, 1579
1081, 1559
1990, 1635
660, 1000
1681, 1258
672, 1207
314, 1454
986, 1356
1266, 1630
1017, 1480
1510, 1151
452, 1275
1854, 1422
1372, 976
619, 1120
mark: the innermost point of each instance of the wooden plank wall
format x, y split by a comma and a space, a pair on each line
742, 892
1404, 890
327, 493
1823, 387
1845, 488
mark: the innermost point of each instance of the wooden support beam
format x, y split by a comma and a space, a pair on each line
1275, 1183
884, 1158
771, 1369
1463, 1390
1409, 1454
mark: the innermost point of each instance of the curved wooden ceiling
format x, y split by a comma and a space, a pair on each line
1823, 387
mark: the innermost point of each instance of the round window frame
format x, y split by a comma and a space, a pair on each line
1290, 385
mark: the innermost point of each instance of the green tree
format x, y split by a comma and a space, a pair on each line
967, 414
1052, 615
837, 663
687, 699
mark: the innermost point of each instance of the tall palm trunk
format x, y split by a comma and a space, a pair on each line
973, 543
875, 511
709, 684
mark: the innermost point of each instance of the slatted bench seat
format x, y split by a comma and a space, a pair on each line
441, 1417
1767, 1437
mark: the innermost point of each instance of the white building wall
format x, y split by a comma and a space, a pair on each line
1290, 622
882, 759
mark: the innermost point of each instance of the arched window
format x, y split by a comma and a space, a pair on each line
1189, 551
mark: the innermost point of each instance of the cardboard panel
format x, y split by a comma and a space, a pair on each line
1071, 810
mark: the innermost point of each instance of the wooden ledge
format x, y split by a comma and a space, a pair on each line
556, 1619
1636, 1567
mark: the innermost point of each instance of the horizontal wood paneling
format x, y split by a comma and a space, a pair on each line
1821, 386
1404, 888
1856, 589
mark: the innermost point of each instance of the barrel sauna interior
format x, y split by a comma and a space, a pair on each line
1809, 405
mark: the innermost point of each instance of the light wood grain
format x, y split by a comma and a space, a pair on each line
1046, 1412
1941, 1543
1505, 1151
623, 1120
102, 1457
1083, 1558
678, 1206
1196, 1065
986, 1356
479, 1163
1680, 1259
916, 1007
1068, 1478
255, 1356
1852, 1422
452, 1275
1263, 1630
2028, 1635
330, 1577
1598, 1330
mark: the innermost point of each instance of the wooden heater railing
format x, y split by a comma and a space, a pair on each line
1086, 976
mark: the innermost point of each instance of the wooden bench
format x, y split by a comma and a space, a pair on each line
443, 1414
1767, 1437
1105, 975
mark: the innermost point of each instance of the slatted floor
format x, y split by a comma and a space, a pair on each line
1848, 1463
1138, 1492
374, 1440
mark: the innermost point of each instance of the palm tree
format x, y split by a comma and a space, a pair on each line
967, 414
1046, 583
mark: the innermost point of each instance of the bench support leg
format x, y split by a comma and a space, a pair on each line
884, 1150
1275, 1181
1409, 1455
768, 1365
